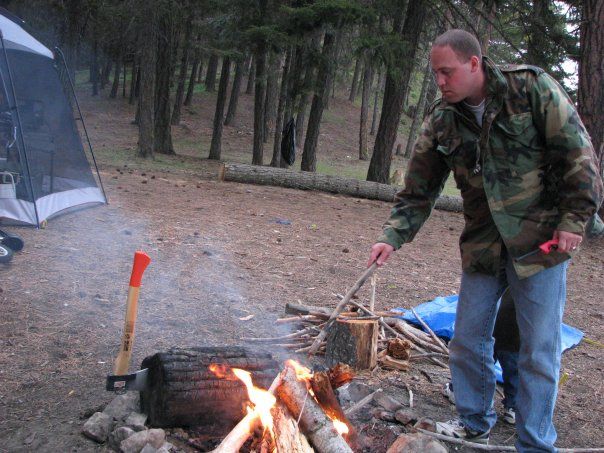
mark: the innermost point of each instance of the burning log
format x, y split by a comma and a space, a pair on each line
314, 423
326, 397
182, 391
284, 436
354, 342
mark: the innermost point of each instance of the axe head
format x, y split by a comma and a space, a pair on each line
135, 381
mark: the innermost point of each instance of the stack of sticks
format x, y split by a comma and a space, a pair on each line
398, 343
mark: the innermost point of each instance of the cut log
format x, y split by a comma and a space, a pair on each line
353, 342
340, 375
396, 364
255, 174
182, 391
399, 349
313, 422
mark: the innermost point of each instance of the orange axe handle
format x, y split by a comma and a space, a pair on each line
122, 363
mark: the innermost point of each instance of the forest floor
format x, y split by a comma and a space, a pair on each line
219, 255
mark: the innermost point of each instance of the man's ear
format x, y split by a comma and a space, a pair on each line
475, 63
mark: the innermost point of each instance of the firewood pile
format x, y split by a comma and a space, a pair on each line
358, 335
398, 342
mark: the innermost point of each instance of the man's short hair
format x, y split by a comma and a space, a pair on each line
464, 44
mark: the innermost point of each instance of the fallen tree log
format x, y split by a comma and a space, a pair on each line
271, 176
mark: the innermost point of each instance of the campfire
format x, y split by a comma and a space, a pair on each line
298, 413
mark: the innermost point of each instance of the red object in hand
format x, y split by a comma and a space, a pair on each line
547, 247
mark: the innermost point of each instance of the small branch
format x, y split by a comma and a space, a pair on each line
478, 446
410, 395
361, 403
372, 300
431, 332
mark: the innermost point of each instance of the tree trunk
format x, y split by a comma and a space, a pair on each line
235, 90
397, 83
146, 98
276, 160
259, 94
537, 37
196, 71
191, 86
163, 130
355, 80
210, 82
378, 88
219, 113
125, 70
591, 76
94, 69
133, 81
105, 73
251, 73
419, 110
367, 82
309, 157
184, 66
116, 78
485, 29
270, 101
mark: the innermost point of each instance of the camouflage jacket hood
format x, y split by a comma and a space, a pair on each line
528, 170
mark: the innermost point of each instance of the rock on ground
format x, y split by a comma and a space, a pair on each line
416, 443
98, 427
123, 405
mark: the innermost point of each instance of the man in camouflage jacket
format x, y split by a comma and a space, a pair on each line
527, 173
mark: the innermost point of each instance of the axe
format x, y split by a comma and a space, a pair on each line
120, 379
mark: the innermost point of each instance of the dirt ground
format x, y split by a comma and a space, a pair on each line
218, 255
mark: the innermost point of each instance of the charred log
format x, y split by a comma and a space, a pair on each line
182, 391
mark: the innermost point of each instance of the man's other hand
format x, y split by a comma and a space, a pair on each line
380, 253
567, 242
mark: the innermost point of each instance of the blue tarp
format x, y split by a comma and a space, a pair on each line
439, 314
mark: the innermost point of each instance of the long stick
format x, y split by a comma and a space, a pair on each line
478, 446
431, 332
315, 346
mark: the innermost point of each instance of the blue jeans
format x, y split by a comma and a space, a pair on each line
509, 367
539, 302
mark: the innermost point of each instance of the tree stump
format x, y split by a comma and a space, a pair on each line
183, 392
354, 342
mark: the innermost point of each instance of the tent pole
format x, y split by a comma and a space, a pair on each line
60, 52
16, 109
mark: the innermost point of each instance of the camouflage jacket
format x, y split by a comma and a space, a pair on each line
529, 170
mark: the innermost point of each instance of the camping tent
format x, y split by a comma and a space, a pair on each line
44, 168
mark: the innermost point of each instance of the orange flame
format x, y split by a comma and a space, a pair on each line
302, 373
341, 427
262, 400
220, 370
